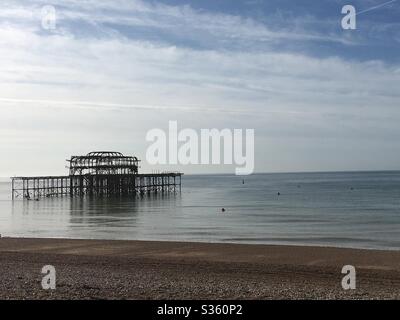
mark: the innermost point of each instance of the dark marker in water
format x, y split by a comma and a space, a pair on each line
223, 209
279, 193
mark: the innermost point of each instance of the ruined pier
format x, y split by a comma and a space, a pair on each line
101, 173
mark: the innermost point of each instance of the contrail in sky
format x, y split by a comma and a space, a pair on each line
376, 7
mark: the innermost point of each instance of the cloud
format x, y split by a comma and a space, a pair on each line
110, 67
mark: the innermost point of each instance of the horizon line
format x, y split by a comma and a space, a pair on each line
257, 173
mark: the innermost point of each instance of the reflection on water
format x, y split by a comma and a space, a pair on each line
91, 217
339, 209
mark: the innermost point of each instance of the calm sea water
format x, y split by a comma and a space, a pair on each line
360, 210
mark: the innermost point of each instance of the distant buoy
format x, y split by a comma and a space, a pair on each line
223, 209
279, 193
243, 181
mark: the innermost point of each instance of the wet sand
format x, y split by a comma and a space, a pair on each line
103, 269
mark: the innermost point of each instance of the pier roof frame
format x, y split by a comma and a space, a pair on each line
103, 162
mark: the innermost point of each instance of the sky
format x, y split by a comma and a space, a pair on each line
320, 98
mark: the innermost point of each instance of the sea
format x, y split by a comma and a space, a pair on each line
339, 209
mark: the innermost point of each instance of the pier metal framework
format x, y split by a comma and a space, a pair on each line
98, 173
103, 163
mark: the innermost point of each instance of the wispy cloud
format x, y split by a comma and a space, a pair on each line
110, 67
